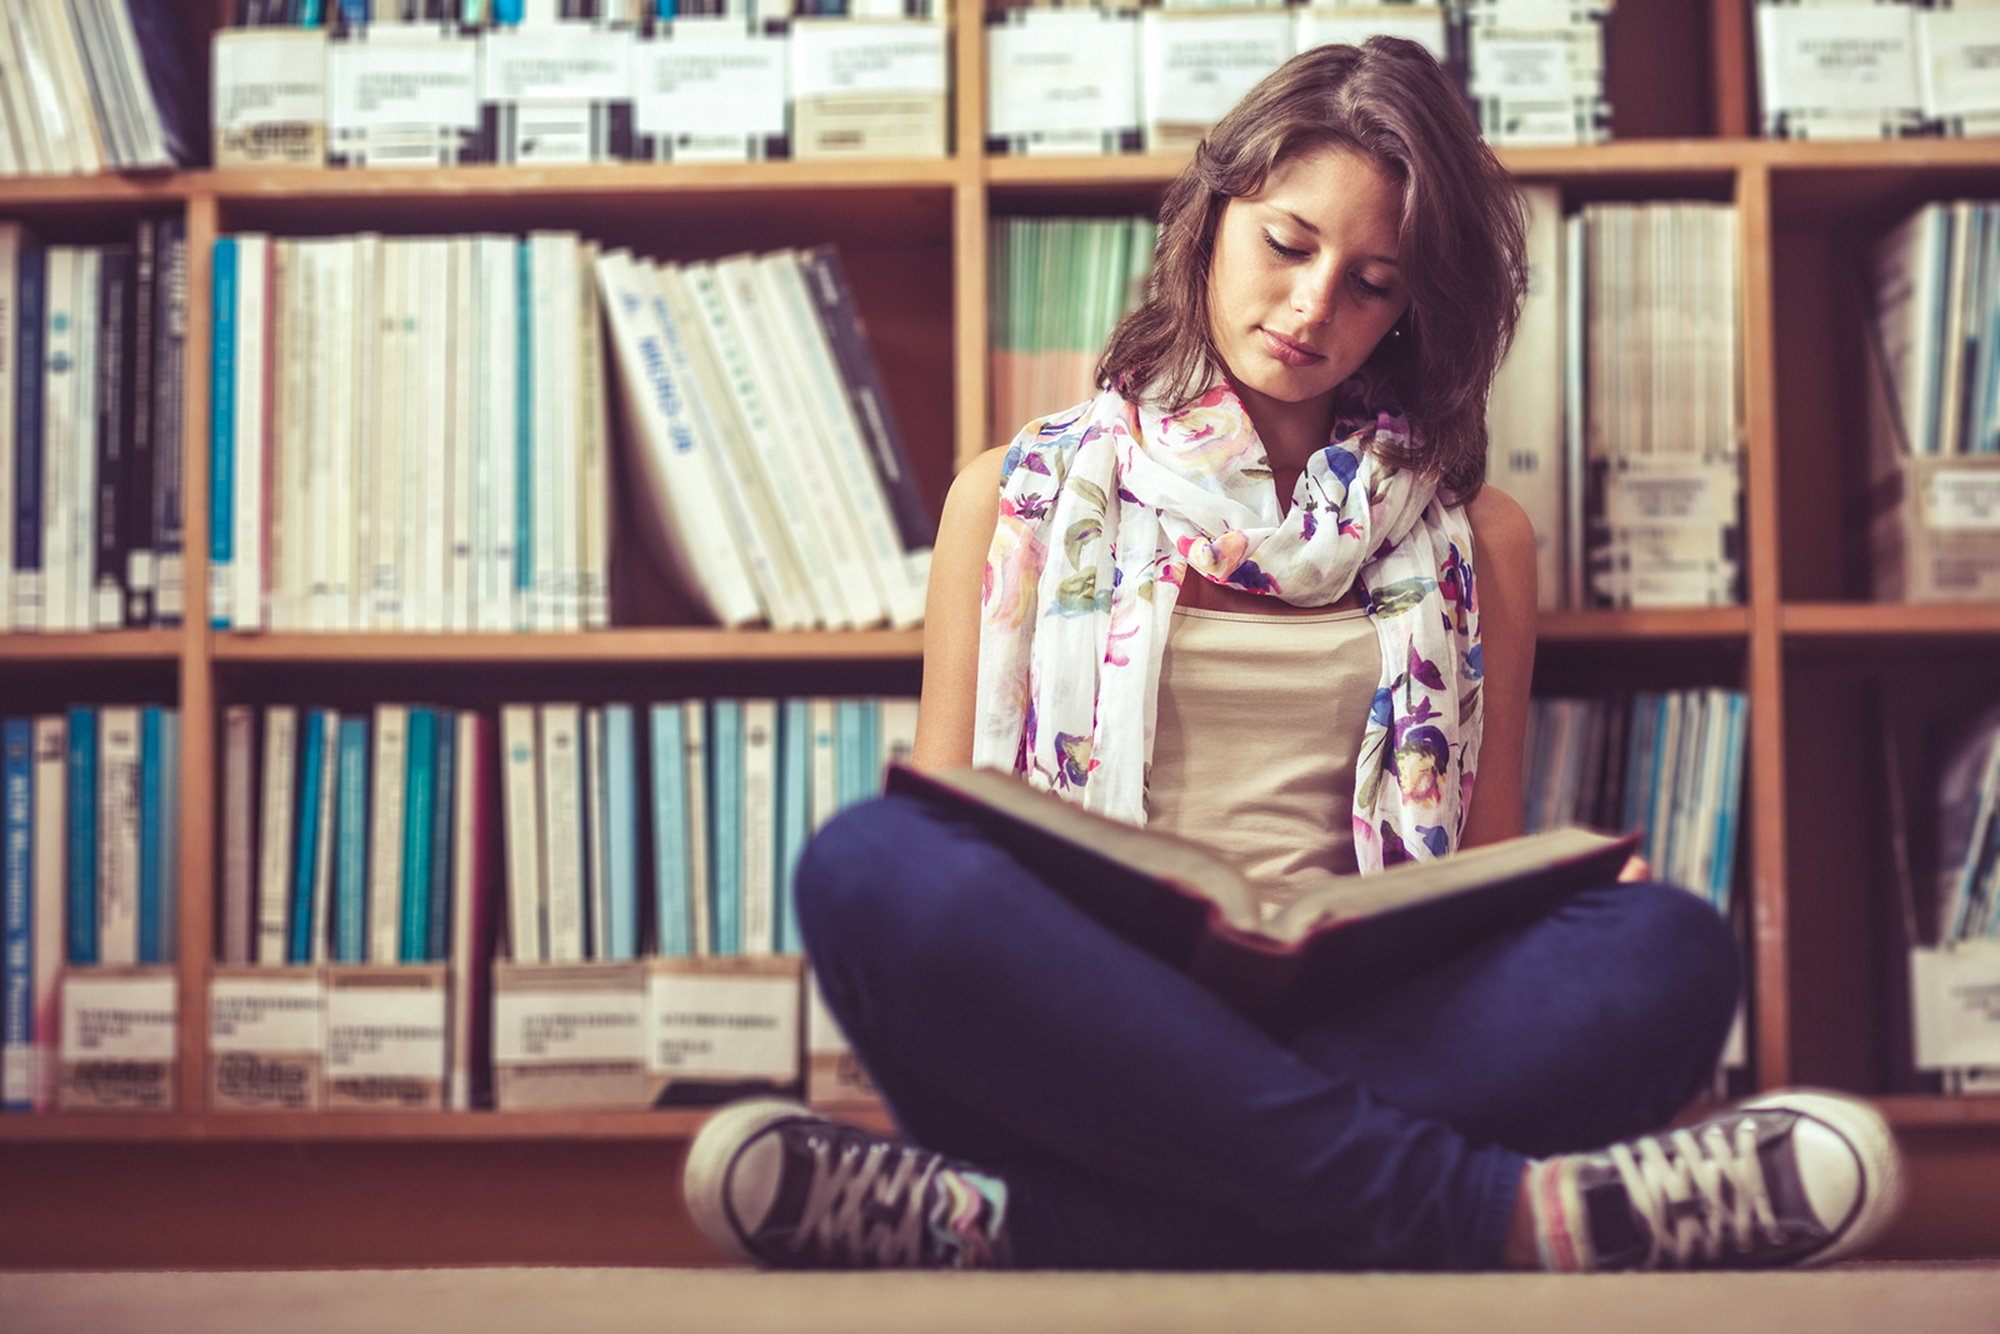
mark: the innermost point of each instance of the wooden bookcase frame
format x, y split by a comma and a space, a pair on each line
201, 1188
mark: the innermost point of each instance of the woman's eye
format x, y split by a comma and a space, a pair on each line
1280, 250
1370, 288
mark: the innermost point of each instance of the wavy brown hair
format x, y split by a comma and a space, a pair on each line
1460, 242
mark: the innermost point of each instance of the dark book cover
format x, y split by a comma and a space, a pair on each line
136, 512
114, 348
160, 26
29, 297
169, 369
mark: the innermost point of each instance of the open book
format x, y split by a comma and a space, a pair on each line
1336, 941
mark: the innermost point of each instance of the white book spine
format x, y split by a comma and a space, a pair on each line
824, 793
83, 473
465, 863
274, 874
499, 320
597, 854
385, 840
339, 411
760, 826
566, 464
427, 488
50, 111
60, 433
593, 457
322, 883
252, 423
322, 351
521, 778
285, 481
898, 721
118, 836
464, 336
386, 485
694, 737
367, 328
562, 825
16, 89
51, 886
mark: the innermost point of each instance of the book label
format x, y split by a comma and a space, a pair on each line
1525, 68
723, 1021
566, 63
120, 1031
842, 56
569, 1036
1955, 1000
712, 79
1960, 62
1964, 500
378, 84
1198, 67
1057, 70
385, 1038
270, 98
266, 1039
1845, 58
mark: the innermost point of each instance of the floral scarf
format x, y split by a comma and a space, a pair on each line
1103, 511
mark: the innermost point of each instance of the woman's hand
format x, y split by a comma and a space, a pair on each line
1636, 868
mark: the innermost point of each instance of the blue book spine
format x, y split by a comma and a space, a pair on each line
507, 11
1723, 868
794, 813
305, 841
350, 862
1639, 761
355, 13
524, 408
170, 835
870, 758
846, 752
437, 947
152, 833
621, 819
17, 888
674, 927
419, 792
725, 844
82, 860
29, 296
311, 13
222, 433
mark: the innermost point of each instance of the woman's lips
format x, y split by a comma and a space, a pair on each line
1285, 350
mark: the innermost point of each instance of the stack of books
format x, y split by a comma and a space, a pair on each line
92, 347
95, 85
91, 869
1934, 438
407, 433
1668, 763
772, 479
1056, 288
1849, 69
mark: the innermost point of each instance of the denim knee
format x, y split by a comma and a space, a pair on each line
1686, 954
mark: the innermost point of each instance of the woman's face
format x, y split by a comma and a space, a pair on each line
1305, 278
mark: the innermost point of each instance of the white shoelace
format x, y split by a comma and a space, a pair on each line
1707, 1190
843, 1184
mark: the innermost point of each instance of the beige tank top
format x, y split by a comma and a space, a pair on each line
1259, 728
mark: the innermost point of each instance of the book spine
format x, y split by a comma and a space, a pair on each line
596, 837
239, 840
350, 875
12, 237
437, 943
319, 911
82, 858
169, 440
222, 435
80, 495
697, 757
385, 842
427, 496
275, 827
825, 782
522, 770
528, 440
594, 443
419, 818
114, 353
794, 814
136, 513
469, 944
251, 508
465, 336
118, 836
305, 858
51, 895
725, 839
621, 841
673, 911
153, 784
31, 296
562, 830
759, 913
61, 352
169, 946
17, 888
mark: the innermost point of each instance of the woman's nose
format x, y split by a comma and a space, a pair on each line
1312, 298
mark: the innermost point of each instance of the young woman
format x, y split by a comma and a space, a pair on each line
1256, 593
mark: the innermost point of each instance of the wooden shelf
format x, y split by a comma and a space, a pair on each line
1599, 626
667, 1124
580, 180
111, 645
1877, 620
676, 644
1914, 1113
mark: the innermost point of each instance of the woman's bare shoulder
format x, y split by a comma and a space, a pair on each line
1500, 525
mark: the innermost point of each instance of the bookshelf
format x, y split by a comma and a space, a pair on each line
1821, 664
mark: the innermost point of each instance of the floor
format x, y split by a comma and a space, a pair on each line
668, 1301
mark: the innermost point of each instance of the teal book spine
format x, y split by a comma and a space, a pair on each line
443, 804
725, 804
672, 893
621, 801
82, 861
419, 793
794, 813
350, 862
152, 831
222, 433
1722, 868
847, 751
168, 945
305, 841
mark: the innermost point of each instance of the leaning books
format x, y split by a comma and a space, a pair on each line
1333, 943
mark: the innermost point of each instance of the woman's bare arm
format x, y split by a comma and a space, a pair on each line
1503, 555
951, 615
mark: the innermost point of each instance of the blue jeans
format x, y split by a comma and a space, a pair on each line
1140, 1123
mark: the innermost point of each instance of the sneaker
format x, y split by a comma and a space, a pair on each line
773, 1184
1790, 1179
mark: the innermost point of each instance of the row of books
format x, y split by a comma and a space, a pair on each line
769, 468
92, 359
508, 13
1669, 763
407, 433
1877, 69
91, 865
1055, 289
710, 88
94, 85
1968, 884
1615, 419
1118, 78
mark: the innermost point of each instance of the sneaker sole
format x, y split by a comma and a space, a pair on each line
1874, 1145
705, 1174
